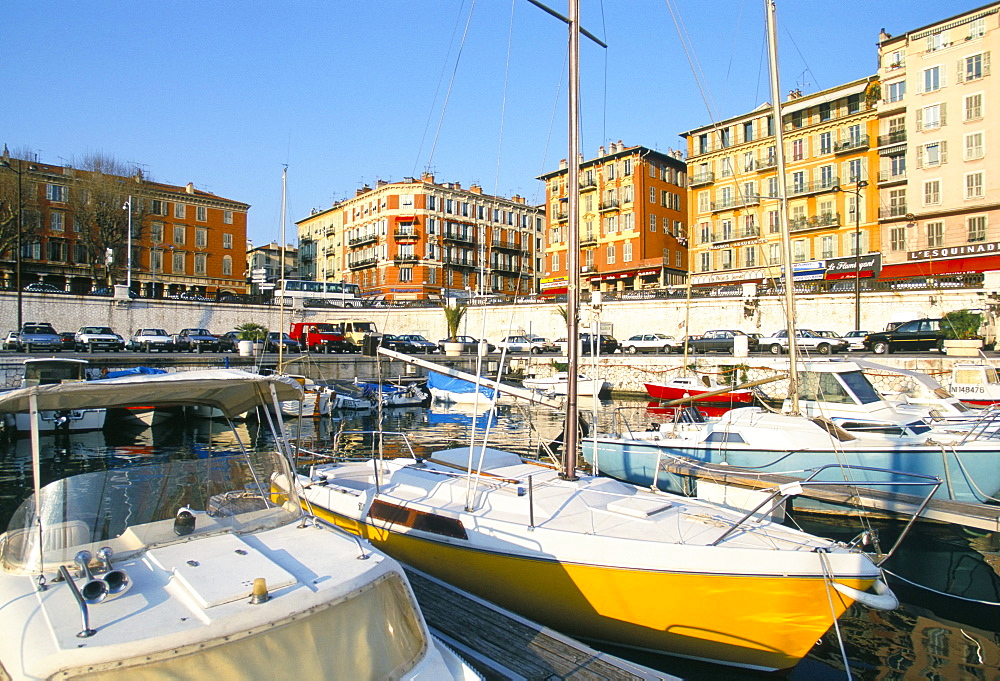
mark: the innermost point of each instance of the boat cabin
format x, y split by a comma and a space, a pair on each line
975, 383
51, 371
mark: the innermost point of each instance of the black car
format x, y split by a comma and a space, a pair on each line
606, 344
719, 340
276, 339
229, 341
919, 334
400, 344
68, 339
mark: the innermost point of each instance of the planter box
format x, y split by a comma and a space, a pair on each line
963, 348
453, 349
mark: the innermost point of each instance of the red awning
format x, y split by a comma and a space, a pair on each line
553, 291
933, 268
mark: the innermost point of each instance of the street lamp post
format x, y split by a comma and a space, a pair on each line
17, 241
858, 186
128, 244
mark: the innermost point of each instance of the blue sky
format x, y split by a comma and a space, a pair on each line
224, 93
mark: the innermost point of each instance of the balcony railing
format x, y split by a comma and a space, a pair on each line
404, 233
561, 216
588, 184
814, 222
815, 187
609, 204
897, 211
701, 178
894, 137
731, 204
358, 240
888, 176
506, 245
457, 262
458, 236
404, 259
587, 240
360, 264
851, 144
767, 163
733, 234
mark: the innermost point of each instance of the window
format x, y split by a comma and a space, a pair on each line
158, 207
973, 146
750, 256
932, 192
854, 103
703, 202
628, 192
974, 185
897, 238
555, 262
405, 274
677, 258
432, 275
201, 214
772, 222
56, 251
706, 262
156, 232
854, 240
703, 143
896, 165
930, 117
57, 192
652, 223
724, 138
772, 187
935, 42
826, 143
227, 266
57, 221
727, 259
610, 258
610, 168
797, 150
627, 166
798, 182
897, 202
977, 228
201, 237
825, 111
727, 167
177, 266
627, 251
227, 217
199, 263
974, 107
895, 91
748, 161
932, 79
80, 254
800, 250
180, 211
628, 222
748, 131
827, 246
227, 240
775, 253
977, 66
797, 119
935, 234
932, 154
179, 234
826, 177
977, 28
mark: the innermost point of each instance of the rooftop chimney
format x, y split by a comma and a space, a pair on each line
189, 188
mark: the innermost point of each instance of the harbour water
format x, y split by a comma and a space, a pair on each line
930, 636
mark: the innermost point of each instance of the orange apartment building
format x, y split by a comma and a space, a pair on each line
830, 145
184, 240
633, 227
418, 240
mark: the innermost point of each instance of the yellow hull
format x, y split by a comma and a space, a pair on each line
760, 622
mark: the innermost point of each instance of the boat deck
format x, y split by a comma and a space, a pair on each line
979, 516
502, 645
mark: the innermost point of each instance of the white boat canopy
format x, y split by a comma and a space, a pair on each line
232, 391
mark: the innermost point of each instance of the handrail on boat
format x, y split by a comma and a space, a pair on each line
791, 489
981, 428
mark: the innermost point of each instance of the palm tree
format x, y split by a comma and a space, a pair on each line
453, 316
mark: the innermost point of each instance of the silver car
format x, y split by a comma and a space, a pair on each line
855, 339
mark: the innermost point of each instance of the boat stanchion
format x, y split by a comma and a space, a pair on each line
86, 632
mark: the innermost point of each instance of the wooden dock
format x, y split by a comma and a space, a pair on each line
978, 516
503, 645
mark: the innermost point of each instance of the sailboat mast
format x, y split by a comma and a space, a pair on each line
786, 241
281, 269
570, 437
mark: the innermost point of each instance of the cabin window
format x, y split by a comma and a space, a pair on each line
418, 520
720, 436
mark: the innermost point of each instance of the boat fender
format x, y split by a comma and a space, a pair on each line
882, 599
790, 489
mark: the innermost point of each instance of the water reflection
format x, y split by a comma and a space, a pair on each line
928, 637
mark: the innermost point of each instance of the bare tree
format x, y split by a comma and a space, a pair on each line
17, 191
98, 200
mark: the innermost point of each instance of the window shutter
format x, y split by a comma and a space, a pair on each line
920, 157
986, 63
961, 71
944, 152
920, 119
944, 113
944, 78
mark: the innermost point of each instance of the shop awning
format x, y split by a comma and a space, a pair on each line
928, 268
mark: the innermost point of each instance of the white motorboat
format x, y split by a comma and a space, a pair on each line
976, 383
53, 371
557, 385
186, 567
452, 390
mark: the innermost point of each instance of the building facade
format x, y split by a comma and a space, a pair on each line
633, 225
264, 266
830, 145
940, 200
418, 239
72, 226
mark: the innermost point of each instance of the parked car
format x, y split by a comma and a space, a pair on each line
469, 344
652, 342
856, 339
229, 341
919, 334
68, 339
196, 340
524, 343
276, 339
10, 341
147, 340
419, 342
399, 344
805, 339
606, 344
719, 340
91, 338
38, 336
39, 287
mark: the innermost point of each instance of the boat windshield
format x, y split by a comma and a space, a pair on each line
136, 507
821, 386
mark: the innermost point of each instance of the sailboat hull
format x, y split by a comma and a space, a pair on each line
767, 622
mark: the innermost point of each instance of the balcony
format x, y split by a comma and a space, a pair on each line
406, 259
588, 184
406, 234
609, 204
734, 234
890, 177
505, 269
852, 144
588, 240
366, 239
817, 187
458, 236
361, 264
561, 216
814, 222
457, 262
506, 245
896, 137
766, 163
897, 211
733, 204
701, 178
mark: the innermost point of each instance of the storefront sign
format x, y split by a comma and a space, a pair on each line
954, 251
735, 244
869, 265
614, 276
724, 277
649, 273
553, 282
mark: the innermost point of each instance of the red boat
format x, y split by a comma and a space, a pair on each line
687, 386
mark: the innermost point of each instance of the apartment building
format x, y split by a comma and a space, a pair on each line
418, 239
733, 190
940, 200
264, 265
72, 226
633, 227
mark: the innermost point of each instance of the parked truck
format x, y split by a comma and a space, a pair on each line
325, 337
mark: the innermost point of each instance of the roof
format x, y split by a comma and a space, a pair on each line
231, 390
